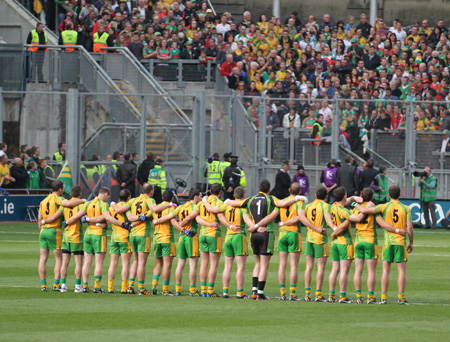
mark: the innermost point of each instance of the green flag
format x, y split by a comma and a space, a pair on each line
66, 177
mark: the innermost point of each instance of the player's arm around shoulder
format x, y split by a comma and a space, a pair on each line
72, 203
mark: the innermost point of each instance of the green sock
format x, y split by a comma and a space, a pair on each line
63, 280
370, 294
342, 294
225, 290
77, 281
282, 288
56, 281
308, 291
332, 293
155, 277
358, 294
43, 282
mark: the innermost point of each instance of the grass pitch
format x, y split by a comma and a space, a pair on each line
27, 314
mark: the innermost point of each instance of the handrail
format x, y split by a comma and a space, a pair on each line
47, 30
96, 66
211, 7
149, 78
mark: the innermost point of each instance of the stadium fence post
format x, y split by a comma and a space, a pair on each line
1, 114
73, 129
335, 129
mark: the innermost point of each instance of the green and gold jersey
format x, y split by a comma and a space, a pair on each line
163, 231
291, 212
396, 214
119, 234
94, 208
210, 217
339, 214
138, 206
72, 233
48, 207
315, 213
184, 211
235, 216
365, 230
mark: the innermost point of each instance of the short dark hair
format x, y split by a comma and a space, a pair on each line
382, 169
124, 195
57, 185
75, 191
167, 195
321, 193
264, 186
215, 189
104, 191
194, 192
127, 156
348, 158
150, 155
116, 155
295, 189
239, 192
367, 194
339, 194
394, 192
370, 162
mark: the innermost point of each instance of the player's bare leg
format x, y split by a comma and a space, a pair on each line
401, 281
57, 253
179, 270
321, 264
167, 270
98, 270
262, 277
335, 268
42, 267
88, 258
78, 265
255, 275
65, 265
282, 263
142, 264
226, 275
241, 260
371, 275
293, 274
343, 277
385, 280
126, 257
213, 267
193, 262
204, 262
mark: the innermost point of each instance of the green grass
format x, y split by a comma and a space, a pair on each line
27, 314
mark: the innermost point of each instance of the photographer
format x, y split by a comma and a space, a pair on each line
428, 196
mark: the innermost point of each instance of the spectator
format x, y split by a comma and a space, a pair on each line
5, 172
19, 173
384, 121
253, 112
43, 183
35, 152
368, 175
302, 179
282, 181
33, 176
272, 120
126, 174
60, 155
145, 167
136, 48
364, 26
347, 177
291, 119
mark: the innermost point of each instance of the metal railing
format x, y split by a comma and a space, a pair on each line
125, 68
182, 71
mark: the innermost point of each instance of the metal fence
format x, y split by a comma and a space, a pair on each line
94, 123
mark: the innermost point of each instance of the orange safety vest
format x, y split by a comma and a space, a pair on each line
35, 40
100, 42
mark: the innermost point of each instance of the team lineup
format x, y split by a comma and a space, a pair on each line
78, 227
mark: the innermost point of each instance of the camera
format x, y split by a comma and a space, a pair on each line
420, 174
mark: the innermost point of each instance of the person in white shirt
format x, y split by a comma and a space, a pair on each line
445, 144
291, 119
223, 27
400, 34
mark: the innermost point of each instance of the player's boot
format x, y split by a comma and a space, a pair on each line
294, 298
112, 292
262, 296
383, 302
254, 294
177, 294
56, 289
169, 293
345, 300
78, 289
212, 295
331, 299
403, 301
85, 290
123, 292
44, 289
242, 297
154, 290
98, 291
226, 295
372, 301
283, 297
320, 299
308, 299
63, 289
360, 300
130, 290
195, 294
144, 293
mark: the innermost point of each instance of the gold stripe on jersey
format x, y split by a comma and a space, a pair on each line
138, 206
210, 217
163, 231
184, 211
95, 208
235, 216
291, 212
396, 214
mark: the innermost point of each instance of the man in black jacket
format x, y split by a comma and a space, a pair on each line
144, 168
126, 174
231, 178
347, 177
282, 181
368, 175
371, 59
19, 173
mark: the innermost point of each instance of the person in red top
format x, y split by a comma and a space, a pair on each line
396, 117
103, 20
227, 66
69, 19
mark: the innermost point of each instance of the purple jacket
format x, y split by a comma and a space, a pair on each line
329, 176
304, 183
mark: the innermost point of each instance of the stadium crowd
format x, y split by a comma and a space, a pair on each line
285, 59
